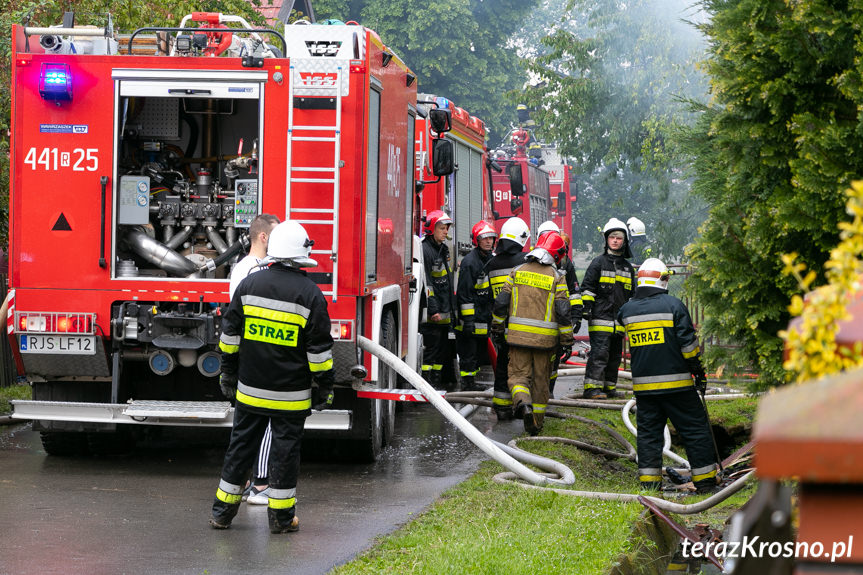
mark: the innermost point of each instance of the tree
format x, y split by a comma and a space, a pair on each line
781, 140
609, 91
457, 48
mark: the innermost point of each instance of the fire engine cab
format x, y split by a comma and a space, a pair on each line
136, 170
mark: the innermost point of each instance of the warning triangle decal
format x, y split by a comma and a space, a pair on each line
62, 224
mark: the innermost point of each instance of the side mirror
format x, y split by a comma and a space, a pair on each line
440, 120
516, 185
443, 157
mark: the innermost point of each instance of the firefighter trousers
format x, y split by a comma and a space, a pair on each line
602, 362
435, 342
472, 352
686, 412
284, 464
529, 370
502, 399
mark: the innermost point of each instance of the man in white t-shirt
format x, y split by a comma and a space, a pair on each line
259, 234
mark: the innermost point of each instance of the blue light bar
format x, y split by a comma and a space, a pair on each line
55, 83
442, 102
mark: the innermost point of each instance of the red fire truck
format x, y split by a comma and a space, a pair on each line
134, 179
561, 188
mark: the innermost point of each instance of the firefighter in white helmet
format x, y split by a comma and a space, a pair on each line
508, 254
439, 299
474, 299
665, 359
533, 312
275, 340
638, 241
608, 283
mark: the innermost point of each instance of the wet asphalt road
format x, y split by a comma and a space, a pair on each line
147, 512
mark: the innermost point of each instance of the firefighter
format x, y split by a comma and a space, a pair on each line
535, 327
608, 284
259, 232
439, 295
507, 254
275, 340
665, 358
638, 241
474, 304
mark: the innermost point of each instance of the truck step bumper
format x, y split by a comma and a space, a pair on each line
175, 413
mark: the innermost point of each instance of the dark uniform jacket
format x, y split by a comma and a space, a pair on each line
439, 297
662, 341
276, 338
574, 295
608, 283
536, 302
507, 255
474, 293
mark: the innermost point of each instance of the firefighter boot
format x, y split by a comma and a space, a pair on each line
610, 392
593, 393
524, 411
468, 383
283, 520
223, 514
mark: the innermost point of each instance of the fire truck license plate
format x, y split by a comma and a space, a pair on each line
68, 344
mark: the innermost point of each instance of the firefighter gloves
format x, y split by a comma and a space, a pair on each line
324, 397
700, 380
228, 383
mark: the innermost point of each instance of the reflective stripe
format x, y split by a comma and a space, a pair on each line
466, 306
605, 322
587, 297
470, 311
549, 306
650, 471
566, 329
592, 383
519, 389
703, 476
426, 367
648, 317
502, 395
275, 315
698, 471
482, 285
515, 326
276, 304
606, 280
691, 354
229, 498
501, 401
282, 493
230, 339
600, 328
607, 273
230, 488
271, 404
320, 357
438, 273
497, 318
274, 395
661, 378
437, 366
657, 382
562, 287
649, 478
282, 503
228, 348
533, 322
539, 407
632, 326
624, 280
468, 373
534, 279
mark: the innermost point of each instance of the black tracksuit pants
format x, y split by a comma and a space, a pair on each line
284, 464
606, 351
502, 397
472, 352
686, 412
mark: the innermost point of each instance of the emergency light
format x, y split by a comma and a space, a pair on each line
55, 83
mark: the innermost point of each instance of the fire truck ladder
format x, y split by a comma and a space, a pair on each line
300, 135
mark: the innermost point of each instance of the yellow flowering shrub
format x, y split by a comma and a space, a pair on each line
812, 349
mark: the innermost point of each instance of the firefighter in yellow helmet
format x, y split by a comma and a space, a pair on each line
535, 302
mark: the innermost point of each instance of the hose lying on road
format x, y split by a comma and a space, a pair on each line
511, 457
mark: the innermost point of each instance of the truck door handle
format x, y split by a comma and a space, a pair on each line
102, 263
188, 91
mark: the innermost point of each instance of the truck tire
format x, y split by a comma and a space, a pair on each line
388, 378
374, 416
64, 443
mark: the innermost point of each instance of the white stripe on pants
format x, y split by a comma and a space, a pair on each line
263, 454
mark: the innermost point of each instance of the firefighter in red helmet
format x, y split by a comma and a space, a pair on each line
436, 320
534, 328
474, 304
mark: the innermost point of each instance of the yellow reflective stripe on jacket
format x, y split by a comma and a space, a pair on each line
680, 383
280, 405
482, 285
606, 280
320, 361
285, 334
438, 273
228, 348
608, 328
275, 315
587, 296
534, 279
229, 343
531, 329
648, 324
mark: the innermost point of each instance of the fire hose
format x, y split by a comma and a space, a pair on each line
512, 458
